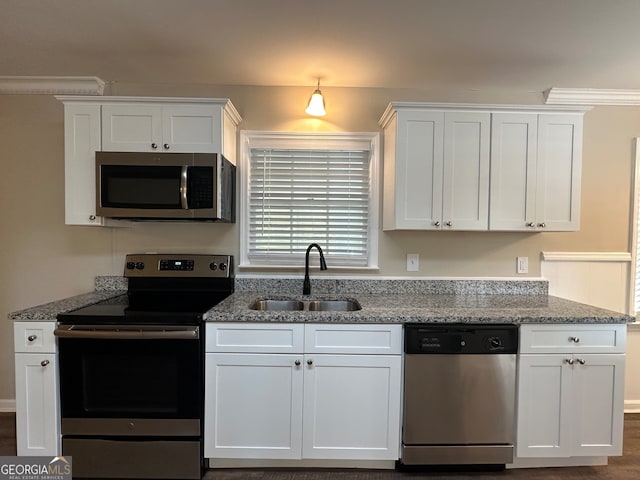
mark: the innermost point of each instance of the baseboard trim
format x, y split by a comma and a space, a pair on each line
307, 463
7, 405
632, 406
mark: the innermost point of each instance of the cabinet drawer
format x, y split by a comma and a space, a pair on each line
34, 337
254, 337
567, 338
357, 339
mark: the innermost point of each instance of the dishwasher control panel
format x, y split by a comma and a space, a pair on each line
460, 339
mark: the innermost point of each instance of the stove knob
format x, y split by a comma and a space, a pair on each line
223, 266
213, 266
495, 342
131, 265
140, 265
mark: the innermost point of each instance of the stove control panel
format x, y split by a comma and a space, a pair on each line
178, 265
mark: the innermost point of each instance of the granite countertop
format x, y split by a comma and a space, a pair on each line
421, 308
48, 311
382, 301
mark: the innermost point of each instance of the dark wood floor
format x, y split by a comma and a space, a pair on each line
626, 467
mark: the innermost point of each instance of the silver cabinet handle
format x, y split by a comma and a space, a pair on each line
309, 362
436, 224
581, 361
31, 338
166, 146
568, 361
542, 225
297, 362
531, 224
449, 224
44, 363
92, 217
154, 145
575, 339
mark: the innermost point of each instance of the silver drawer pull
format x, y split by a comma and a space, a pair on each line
44, 363
297, 362
568, 361
581, 361
575, 339
309, 362
31, 338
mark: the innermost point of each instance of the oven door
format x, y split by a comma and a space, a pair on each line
141, 380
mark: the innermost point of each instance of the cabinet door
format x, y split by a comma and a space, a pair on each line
351, 407
598, 382
191, 128
37, 407
132, 128
559, 172
465, 203
545, 403
81, 141
419, 163
253, 406
513, 171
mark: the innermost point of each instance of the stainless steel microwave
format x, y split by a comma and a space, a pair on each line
165, 186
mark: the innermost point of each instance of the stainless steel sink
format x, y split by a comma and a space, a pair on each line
334, 305
271, 304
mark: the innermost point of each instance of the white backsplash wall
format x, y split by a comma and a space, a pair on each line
601, 279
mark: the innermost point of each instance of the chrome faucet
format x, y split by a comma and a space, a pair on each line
306, 288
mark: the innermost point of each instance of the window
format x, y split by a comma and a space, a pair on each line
305, 188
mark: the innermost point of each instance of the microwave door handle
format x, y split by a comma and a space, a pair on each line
184, 203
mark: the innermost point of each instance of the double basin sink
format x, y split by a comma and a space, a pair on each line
269, 304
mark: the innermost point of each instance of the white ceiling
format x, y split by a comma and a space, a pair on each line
520, 45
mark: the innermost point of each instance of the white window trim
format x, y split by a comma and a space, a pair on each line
260, 139
635, 210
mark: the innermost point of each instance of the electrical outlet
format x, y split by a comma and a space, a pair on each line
413, 262
522, 265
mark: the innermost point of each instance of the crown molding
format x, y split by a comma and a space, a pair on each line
591, 96
51, 85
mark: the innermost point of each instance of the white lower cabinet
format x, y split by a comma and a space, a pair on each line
37, 406
571, 403
253, 406
303, 405
351, 407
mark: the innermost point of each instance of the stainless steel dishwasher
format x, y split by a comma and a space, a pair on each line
459, 394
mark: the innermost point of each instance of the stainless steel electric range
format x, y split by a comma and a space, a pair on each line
132, 370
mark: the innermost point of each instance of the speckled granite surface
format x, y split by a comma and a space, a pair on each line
418, 287
382, 301
421, 308
48, 311
110, 284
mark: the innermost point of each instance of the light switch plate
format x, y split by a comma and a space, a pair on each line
522, 265
413, 262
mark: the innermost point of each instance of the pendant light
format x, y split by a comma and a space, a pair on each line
316, 103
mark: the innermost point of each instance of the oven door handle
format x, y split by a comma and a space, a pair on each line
127, 333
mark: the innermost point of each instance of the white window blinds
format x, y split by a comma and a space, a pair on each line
303, 196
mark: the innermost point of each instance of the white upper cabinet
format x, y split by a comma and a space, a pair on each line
436, 170
465, 191
475, 167
535, 171
162, 128
136, 124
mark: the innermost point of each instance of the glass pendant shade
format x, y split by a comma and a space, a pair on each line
316, 104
